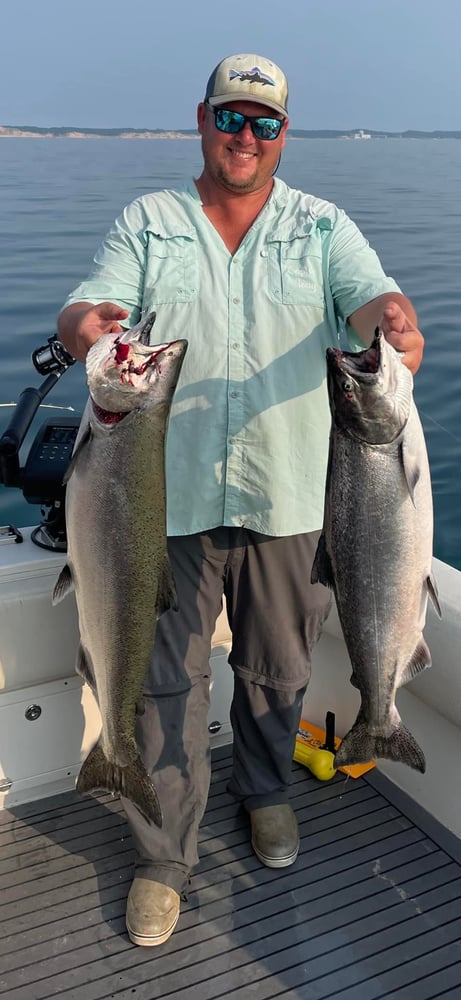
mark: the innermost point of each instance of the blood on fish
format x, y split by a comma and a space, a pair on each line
107, 416
121, 352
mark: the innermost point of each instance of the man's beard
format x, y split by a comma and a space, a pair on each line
233, 184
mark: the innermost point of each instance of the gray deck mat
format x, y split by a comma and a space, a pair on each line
371, 908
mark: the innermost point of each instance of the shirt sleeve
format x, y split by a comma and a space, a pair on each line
355, 271
118, 266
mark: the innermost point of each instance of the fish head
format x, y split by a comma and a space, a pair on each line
125, 372
370, 391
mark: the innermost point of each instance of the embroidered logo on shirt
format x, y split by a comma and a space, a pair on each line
301, 275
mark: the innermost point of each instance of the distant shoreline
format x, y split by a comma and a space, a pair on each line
70, 132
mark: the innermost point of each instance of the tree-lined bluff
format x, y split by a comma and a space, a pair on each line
74, 132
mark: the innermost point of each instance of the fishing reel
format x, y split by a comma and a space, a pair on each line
52, 358
41, 478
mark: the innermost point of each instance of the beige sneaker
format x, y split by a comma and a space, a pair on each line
274, 835
152, 912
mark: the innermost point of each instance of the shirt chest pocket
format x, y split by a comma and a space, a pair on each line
172, 273
295, 271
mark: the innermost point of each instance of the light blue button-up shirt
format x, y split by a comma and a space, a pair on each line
248, 433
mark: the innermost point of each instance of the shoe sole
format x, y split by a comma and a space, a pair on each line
149, 940
289, 859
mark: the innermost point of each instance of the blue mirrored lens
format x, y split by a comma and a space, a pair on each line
233, 121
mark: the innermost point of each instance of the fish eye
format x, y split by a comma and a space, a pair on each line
347, 385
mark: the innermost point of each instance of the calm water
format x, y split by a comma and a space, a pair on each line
58, 197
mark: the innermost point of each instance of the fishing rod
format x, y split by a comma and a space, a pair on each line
41, 478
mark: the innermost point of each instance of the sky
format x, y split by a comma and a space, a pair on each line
379, 64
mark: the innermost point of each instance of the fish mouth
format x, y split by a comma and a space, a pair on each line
367, 362
134, 360
129, 369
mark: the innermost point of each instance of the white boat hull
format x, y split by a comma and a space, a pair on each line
49, 719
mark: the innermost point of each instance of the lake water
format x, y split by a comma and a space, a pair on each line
59, 196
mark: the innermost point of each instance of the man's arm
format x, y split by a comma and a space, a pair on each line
82, 323
396, 317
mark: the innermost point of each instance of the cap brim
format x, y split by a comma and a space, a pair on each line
217, 102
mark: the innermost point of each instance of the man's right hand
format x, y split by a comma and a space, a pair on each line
82, 324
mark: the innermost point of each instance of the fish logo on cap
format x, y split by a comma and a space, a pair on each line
252, 76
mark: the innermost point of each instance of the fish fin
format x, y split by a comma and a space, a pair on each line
132, 781
360, 746
410, 468
433, 593
353, 680
83, 668
63, 586
419, 661
322, 570
166, 594
84, 440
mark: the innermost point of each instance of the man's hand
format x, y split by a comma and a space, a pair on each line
396, 317
82, 324
403, 335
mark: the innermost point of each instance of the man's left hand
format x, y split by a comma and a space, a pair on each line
403, 335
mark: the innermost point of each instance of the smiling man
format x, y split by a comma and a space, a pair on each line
260, 279
240, 161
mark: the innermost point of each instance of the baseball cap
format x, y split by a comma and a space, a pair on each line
248, 78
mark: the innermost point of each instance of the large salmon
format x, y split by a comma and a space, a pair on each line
117, 550
375, 550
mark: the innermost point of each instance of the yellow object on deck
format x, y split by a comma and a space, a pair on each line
311, 751
320, 762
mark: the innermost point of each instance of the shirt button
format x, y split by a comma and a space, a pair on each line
234, 395
236, 301
236, 346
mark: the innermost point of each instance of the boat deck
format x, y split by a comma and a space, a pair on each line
370, 909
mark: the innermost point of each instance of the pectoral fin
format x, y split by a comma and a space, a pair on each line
410, 467
85, 670
81, 444
166, 594
322, 570
63, 586
433, 594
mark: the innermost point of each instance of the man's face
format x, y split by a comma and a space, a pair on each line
239, 162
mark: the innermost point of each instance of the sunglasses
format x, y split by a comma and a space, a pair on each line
233, 122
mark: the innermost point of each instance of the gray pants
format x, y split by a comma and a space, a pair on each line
275, 616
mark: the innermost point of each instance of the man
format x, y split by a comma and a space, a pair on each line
258, 278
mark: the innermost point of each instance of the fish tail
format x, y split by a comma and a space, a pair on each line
132, 781
360, 746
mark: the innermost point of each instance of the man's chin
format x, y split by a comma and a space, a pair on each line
233, 182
